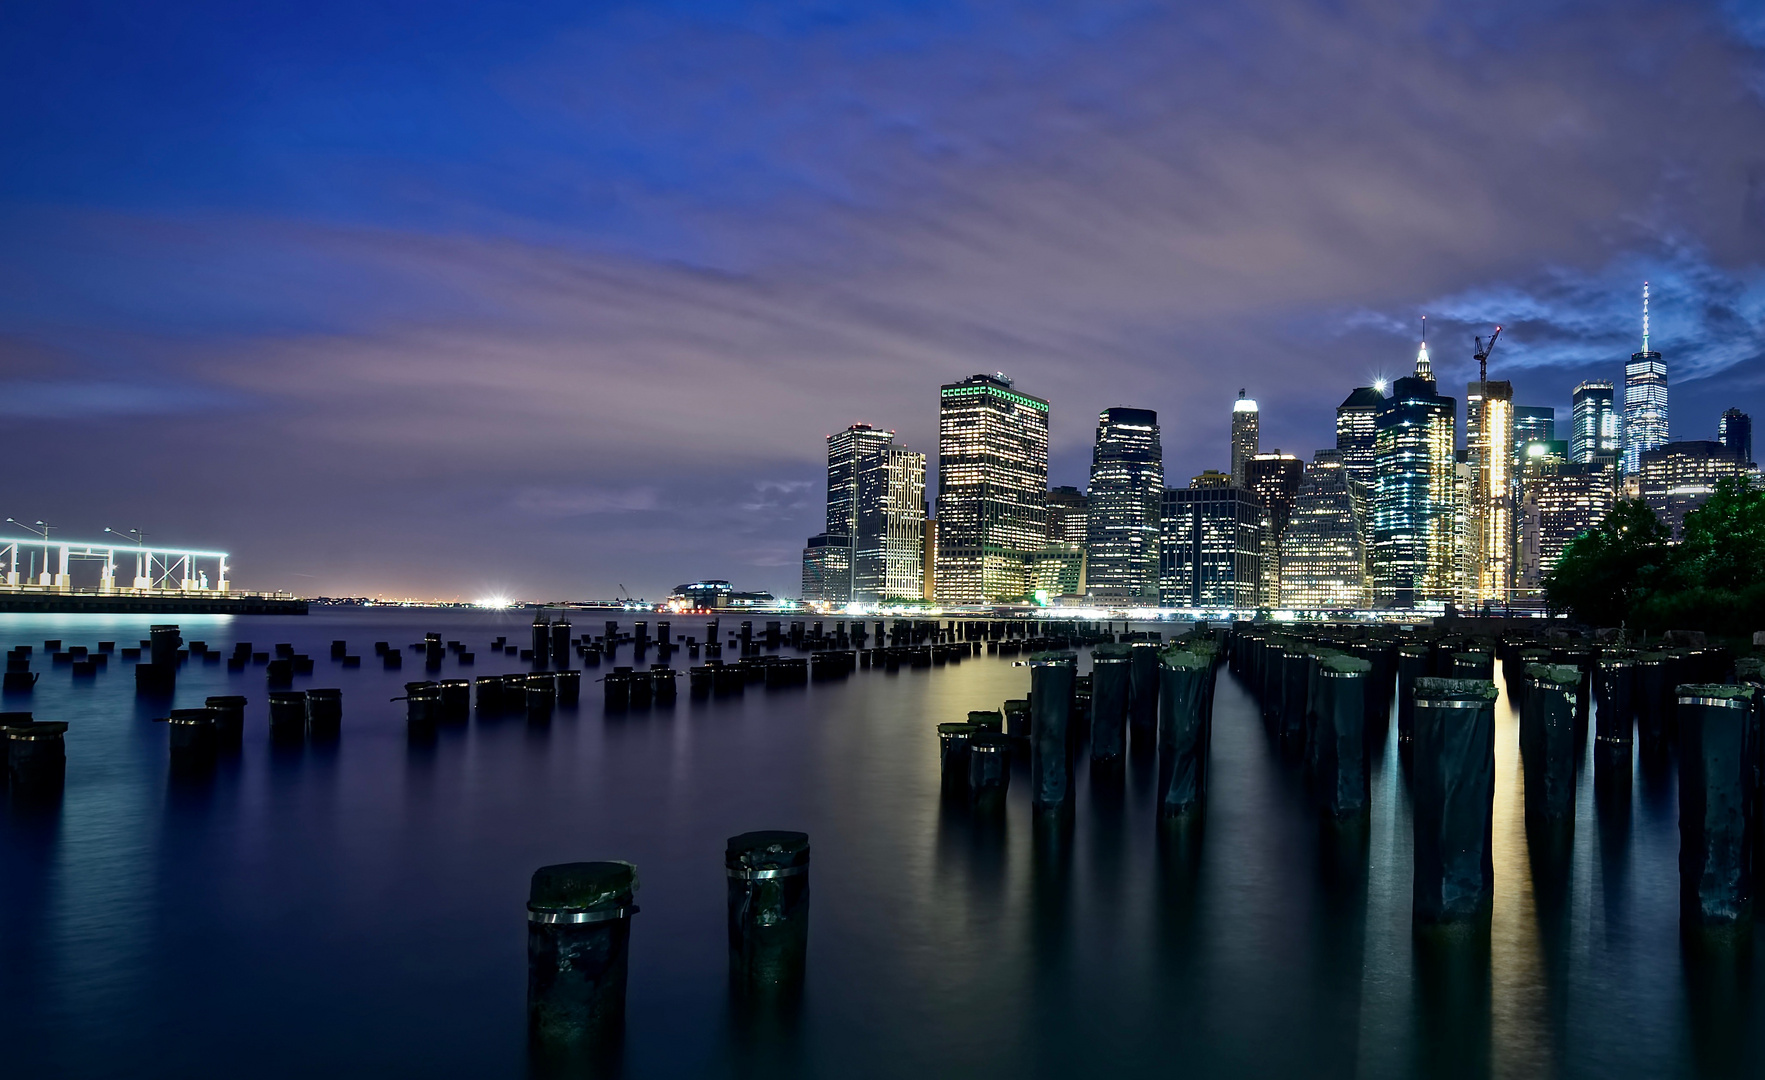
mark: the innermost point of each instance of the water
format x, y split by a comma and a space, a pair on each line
360, 910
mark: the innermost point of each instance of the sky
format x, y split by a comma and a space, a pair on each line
559, 301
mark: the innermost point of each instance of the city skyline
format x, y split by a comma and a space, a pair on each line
441, 281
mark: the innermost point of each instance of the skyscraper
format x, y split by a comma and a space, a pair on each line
1736, 432
1323, 555
1356, 427
992, 483
827, 569
1066, 507
1274, 479
1645, 398
1245, 422
1562, 500
1211, 548
889, 544
1490, 450
1415, 501
1127, 480
1595, 423
1532, 424
847, 453
1677, 477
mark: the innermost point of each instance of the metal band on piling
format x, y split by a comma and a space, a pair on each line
605, 915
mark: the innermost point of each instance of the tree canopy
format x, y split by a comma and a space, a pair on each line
1626, 570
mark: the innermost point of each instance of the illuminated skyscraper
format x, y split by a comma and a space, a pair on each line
1562, 500
827, 569
992, 483
1736, 432
1211, 548
1595, 423
1356, 427
1274, 479
1532, 424
1127, 480
847, 453
1066, 516
1645, 398
1490, 451
1415, 502
1245, 436
1323, 554
889, 546
1677, 477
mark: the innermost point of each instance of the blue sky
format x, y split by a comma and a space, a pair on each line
444, 299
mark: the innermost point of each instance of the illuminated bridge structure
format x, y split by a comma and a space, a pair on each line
41, 565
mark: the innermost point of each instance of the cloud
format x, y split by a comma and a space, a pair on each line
567, 503
85, 400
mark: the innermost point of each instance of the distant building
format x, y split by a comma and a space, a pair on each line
1677, 478
1245, 435
1211, 548
1594, 423
1356, 432
1532, 423
713, 594
1121, 522
1736, 432
827, 570
1562, 500
1274, 479
1059, 567
992, 485
1493, 440
1415, 502
929, 561
888, 548
1066, 509
1645, 398
1323, 551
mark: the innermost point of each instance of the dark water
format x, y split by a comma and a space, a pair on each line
360, 910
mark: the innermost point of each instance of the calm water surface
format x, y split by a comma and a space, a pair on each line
359, 910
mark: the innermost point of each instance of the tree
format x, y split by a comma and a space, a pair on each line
1722, 543
1607, 572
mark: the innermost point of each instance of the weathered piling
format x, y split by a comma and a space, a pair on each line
1298, 669
578, 955
541, 696
1110, 682
768, 875
1338, 750
560, 645
1653, 690
1453, 792
1142, 696
36, 757
541, 639
1412, 664
1614, 720
1715, 842
228, 711
569, 688
287, 716
1547, 741
1184, 728
193, 739
456, 700
953, 744
422, 706
989, 769
616, 688
1051, 676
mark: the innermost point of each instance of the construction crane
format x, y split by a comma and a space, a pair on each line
1482, 355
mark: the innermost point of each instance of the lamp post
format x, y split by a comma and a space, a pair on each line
41, 530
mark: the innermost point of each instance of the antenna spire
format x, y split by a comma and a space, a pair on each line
1424, 369
1645, 318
